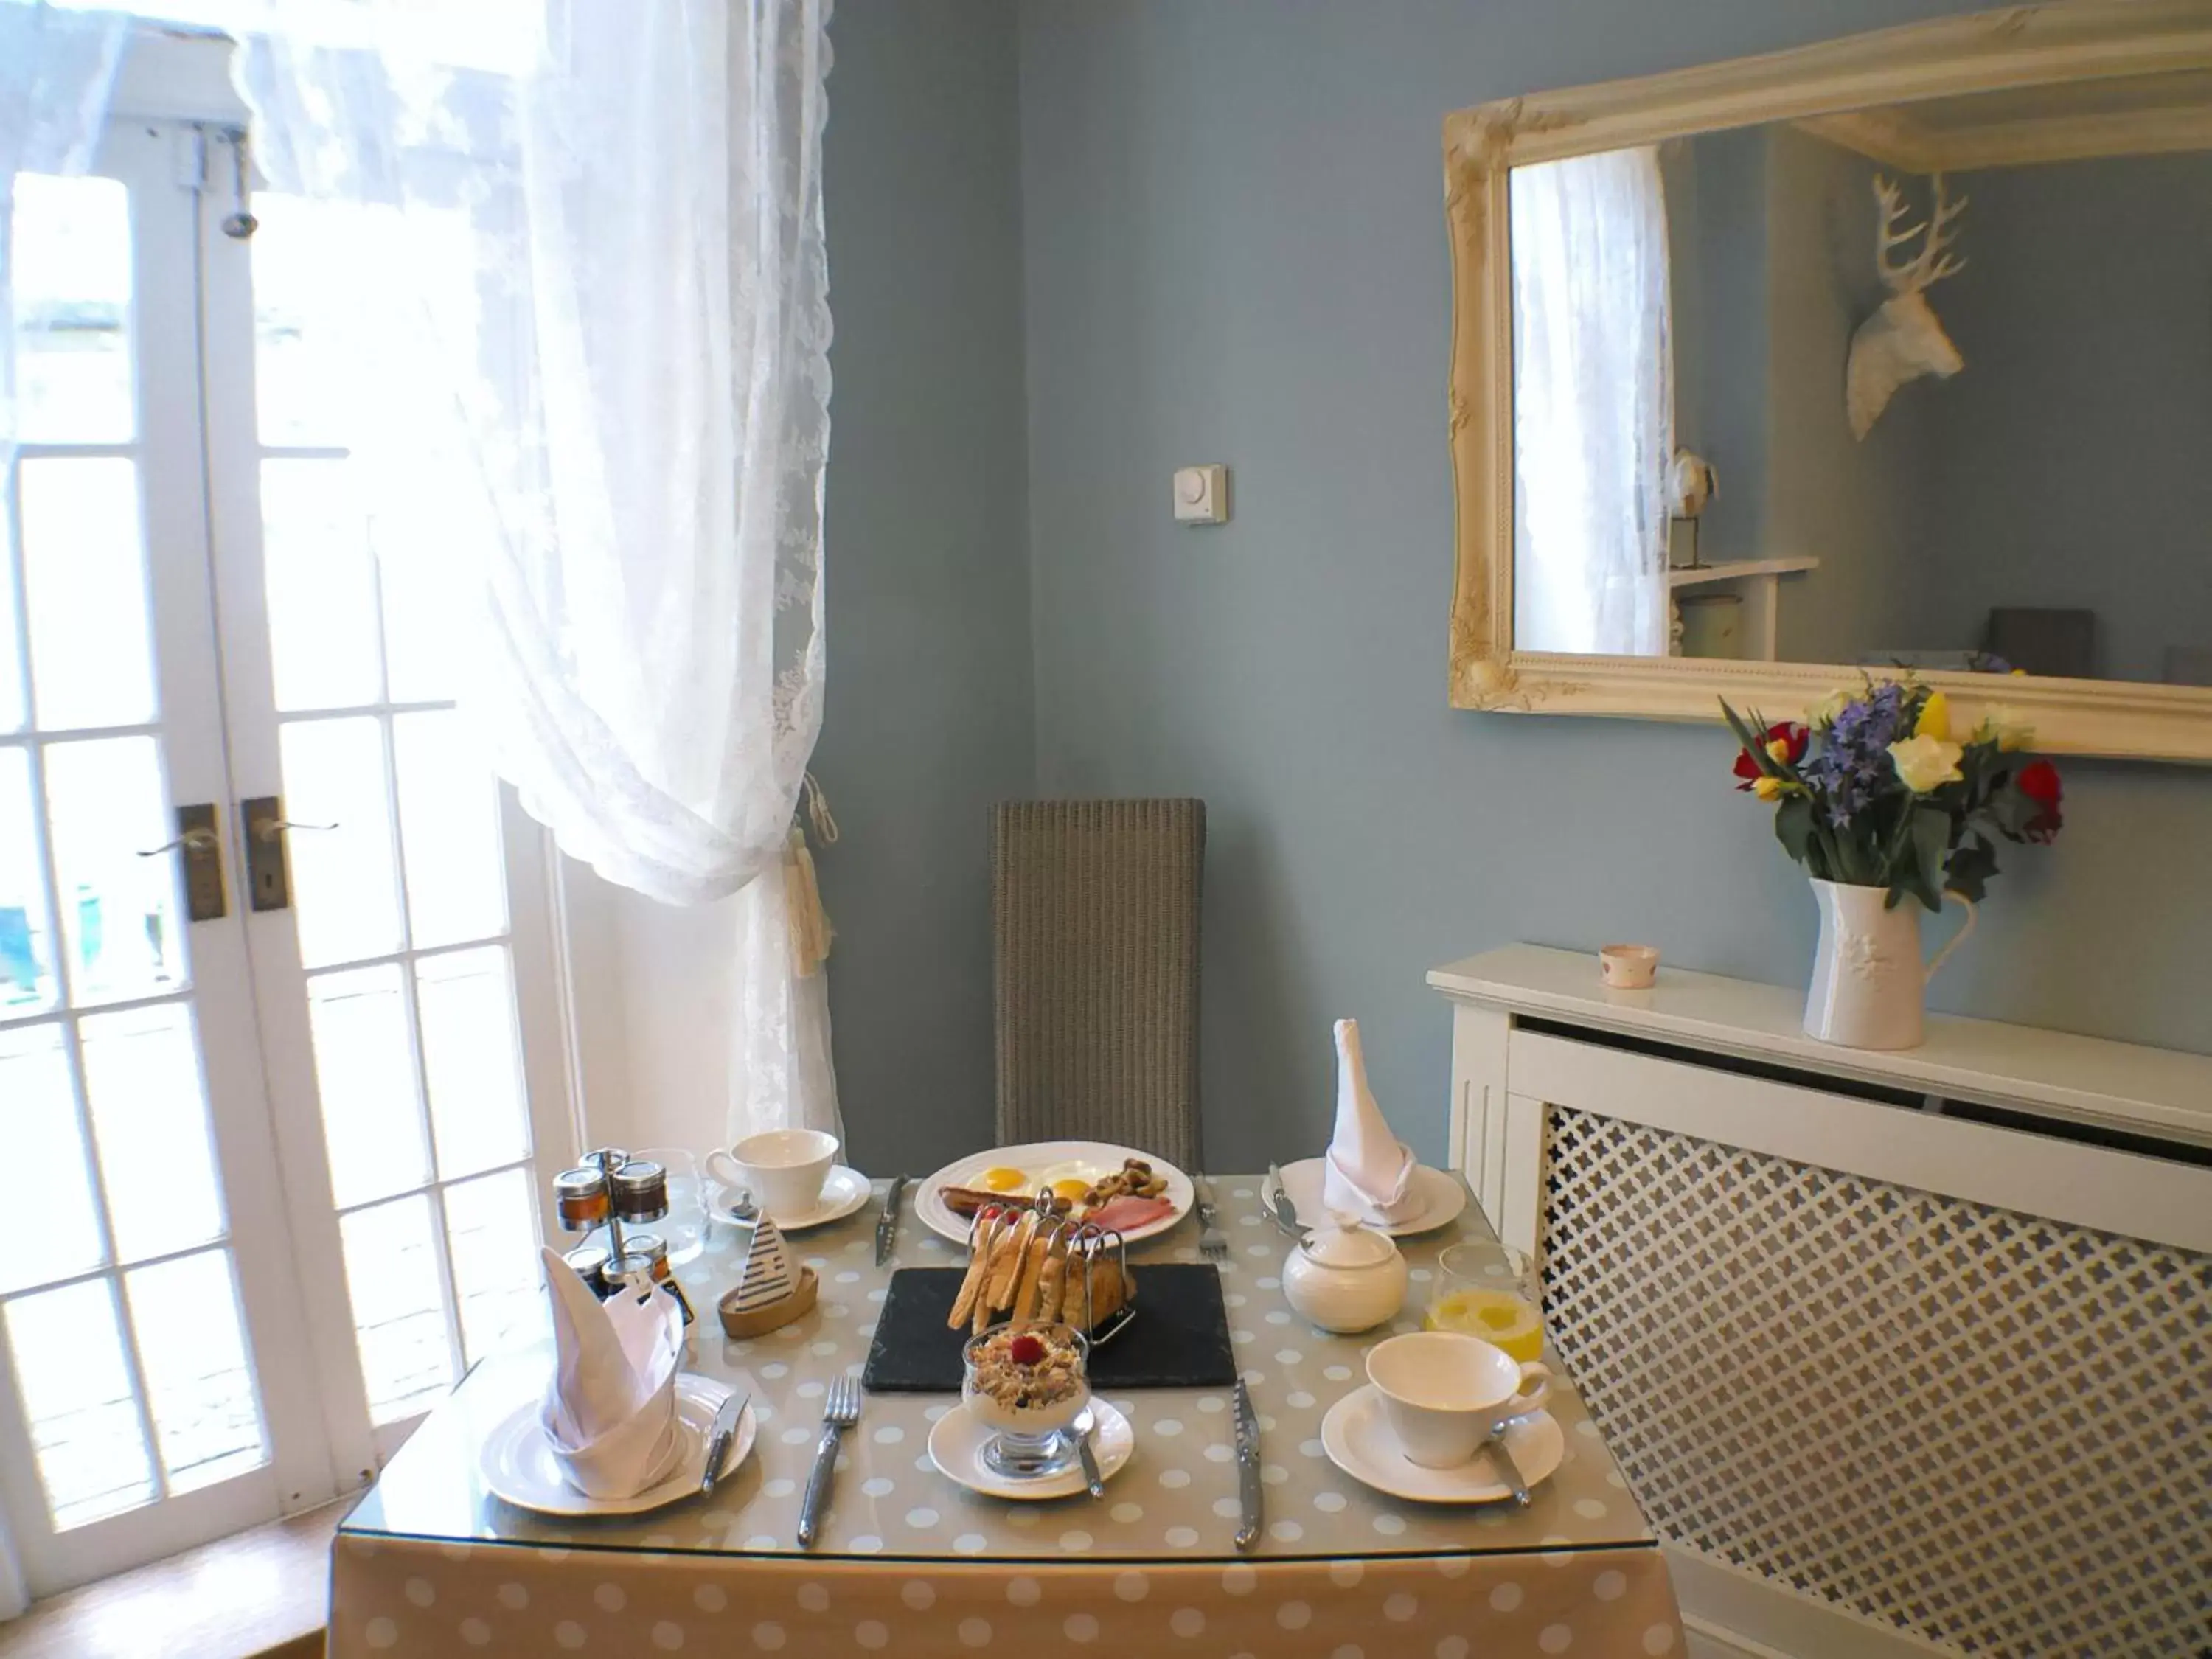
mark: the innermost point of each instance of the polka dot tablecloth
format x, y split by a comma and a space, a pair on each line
430, 1564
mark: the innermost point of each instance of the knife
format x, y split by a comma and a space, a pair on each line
1281, 1209
887, 1224
1503, 1456
718, 1440
1247, 1469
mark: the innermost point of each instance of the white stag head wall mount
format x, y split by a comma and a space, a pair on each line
1903, 339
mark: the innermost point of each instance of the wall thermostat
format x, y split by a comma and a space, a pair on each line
1201, 494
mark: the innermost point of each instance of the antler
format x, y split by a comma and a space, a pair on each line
1932, 264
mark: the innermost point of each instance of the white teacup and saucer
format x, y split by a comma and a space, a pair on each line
792, 1174
1430, 1401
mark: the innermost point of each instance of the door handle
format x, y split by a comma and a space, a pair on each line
268, 872
202, 845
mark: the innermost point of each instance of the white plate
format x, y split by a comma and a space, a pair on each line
517, 1461
956, 1446
931, 1210
1358, 1441
843, 1191
1441, 1196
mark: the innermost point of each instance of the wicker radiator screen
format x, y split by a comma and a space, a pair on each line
1989, 1429
1095, 917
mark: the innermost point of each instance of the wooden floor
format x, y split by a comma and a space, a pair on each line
262, 1594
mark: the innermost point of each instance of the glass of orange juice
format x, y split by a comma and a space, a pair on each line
1489, 1290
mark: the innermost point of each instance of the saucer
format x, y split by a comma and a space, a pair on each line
517, 1463
1442, 1196
957, 1443
843, 1191
1359, 1441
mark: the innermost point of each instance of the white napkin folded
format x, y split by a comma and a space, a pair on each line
610, 1409
1369, 1171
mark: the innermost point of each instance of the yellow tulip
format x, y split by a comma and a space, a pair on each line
1766, 789
1934, 718
1926, 761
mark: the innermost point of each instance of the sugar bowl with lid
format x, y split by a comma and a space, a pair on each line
1344, 1276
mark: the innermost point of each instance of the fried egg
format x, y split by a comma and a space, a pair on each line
1070, 1179
1002, 1179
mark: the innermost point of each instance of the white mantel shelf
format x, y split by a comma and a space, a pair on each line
2162, 1092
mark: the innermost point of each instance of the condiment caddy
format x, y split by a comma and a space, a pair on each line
610, 1190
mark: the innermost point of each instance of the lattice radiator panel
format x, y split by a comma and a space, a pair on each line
1988, 1428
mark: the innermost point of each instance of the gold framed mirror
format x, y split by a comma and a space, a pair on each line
1890, 354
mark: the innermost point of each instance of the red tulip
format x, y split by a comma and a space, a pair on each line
2038, 781
1790, 734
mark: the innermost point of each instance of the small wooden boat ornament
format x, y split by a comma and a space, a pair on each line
772, 1290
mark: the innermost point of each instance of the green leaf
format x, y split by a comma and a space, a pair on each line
1972, 863
1931, 842
1793, 826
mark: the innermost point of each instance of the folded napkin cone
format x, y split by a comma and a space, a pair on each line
1369, 1171
610, 1409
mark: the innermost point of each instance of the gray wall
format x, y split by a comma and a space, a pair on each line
2070, 458
1233, 232
929, 713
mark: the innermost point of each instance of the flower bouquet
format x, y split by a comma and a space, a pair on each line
1882, 803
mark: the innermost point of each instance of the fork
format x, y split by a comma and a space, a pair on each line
1213, 1244
839, 1413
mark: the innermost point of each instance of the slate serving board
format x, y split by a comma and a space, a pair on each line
1179, 1338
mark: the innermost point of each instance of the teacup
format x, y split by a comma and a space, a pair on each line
1442, 1392
783, 1168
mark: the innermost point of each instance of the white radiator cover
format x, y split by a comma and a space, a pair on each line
1991, 1429
1918, 1382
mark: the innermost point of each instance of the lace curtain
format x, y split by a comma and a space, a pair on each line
592, 360
1593, 404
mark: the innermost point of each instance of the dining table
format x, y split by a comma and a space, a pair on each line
430, 1564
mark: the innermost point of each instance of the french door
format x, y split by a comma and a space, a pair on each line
275, 1183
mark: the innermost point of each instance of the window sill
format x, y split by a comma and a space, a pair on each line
262, 1594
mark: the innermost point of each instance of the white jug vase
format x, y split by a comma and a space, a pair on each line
1869, 986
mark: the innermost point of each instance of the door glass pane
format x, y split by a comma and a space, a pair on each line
491, 1237
199, 1389
415, 539
321, 585
398, 1306
365, 1072
304, 253
469, 1055
58, 1234
344, 889
26, 957
118, 911
69, 252
449, 832
84, 583
77, 1394
149, 1119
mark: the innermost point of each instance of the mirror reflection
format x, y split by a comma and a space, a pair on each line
1924, 386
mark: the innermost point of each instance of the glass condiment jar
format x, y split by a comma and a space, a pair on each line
590, 1262
643, 1264
1345, 1276
579, 1198
640, 1190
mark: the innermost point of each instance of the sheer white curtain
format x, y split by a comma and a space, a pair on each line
592, 369
1593, 404
57, 69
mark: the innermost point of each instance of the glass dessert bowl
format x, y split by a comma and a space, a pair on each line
1028, 1382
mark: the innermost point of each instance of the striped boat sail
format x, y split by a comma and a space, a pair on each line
767, 1276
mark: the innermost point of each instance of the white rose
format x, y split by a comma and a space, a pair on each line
1925, 763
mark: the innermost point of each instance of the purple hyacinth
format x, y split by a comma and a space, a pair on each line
1854, 759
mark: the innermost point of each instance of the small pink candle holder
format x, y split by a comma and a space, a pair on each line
1628, 967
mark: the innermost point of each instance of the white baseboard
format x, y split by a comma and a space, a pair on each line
1730, 1614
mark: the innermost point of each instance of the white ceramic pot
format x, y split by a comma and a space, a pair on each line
1345, 1277
1869, 986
